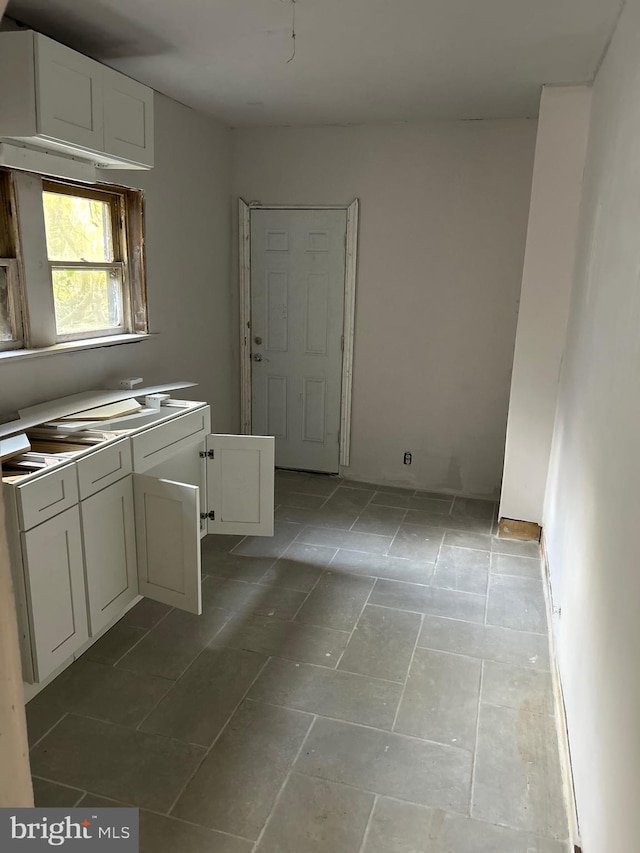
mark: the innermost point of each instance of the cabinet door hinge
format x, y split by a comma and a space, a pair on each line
206, 454
210, 515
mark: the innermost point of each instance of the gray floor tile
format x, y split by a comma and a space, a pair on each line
260, 599
161, 834
462, 539
201, 702
425, 599
113, 761
294, 574
376, 487
269, 546
329, 516
462, 569
437, 496
41, 718
398, 827
104, 692
517, 776
518, 687
441, 697
450, 833
388, 763
437, 506
422, 518
165, 834
292, 640
324, 486
336, 601
145, 614
370, 543
417, 543
350, 498
517, 603
50, 795
515, 547
115, 643
384, 520
474, 508
524, 567
174, 643
418, 518
287, 497
381, 566
236, 566
485, 641
310, 555
382, 643
400, 499
328, 692
220, 542
235, 788
316, 816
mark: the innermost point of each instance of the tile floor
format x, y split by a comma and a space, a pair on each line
373, 679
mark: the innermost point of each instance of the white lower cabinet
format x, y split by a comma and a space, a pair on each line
135, 535
109, 534
54, 572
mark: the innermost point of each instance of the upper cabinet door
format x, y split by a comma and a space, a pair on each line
128, 118
167, 516
240, 484
68, 95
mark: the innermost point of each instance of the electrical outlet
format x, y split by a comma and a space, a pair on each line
407, 458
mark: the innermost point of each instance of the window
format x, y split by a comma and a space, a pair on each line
74, 262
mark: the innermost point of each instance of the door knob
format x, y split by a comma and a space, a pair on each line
256, 356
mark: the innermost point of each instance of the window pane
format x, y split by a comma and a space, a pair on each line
6, 333
78, 229
87, 300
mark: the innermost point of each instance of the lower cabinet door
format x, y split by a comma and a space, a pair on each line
54, 572
108, 528
167, 516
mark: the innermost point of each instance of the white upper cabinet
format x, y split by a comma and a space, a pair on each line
69, 102
128, 117
55, 98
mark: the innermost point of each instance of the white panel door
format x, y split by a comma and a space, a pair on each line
167, 517
54, 571
240, 484
109, 534
68, 95
128, 118
297, 307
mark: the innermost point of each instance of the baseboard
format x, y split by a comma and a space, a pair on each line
561, 715
511, 528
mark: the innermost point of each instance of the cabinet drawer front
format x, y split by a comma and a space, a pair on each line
47, 496
160, 443
104, 467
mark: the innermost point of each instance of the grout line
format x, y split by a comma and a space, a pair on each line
140, 639
306, 598
217, 737
406, 680
49, 730
486, 604
355, 624
475, 747
367, 828
284, 784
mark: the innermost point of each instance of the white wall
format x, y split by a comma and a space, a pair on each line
561, 147
442, 233
189, 293
592, 507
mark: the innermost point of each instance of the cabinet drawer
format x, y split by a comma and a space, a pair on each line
160, 443
47, 496
104, 467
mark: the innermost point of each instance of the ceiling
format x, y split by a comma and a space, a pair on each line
357, 61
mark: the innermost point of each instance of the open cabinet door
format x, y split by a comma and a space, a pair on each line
240, 484
168, 541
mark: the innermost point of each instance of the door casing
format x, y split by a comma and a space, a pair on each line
244, 258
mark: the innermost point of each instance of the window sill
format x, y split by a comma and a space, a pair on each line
72, 346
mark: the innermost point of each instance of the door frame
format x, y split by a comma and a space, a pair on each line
348, 329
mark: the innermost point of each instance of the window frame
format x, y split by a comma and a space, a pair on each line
22, 224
